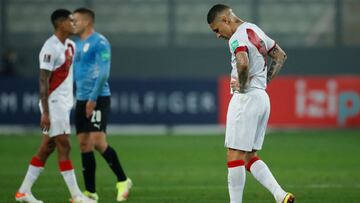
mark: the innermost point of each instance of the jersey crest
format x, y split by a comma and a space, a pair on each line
86, 47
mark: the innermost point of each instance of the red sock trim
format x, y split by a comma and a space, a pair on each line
236, 163
253, 160
37, 162
65, 165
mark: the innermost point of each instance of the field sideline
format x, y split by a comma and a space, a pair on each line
317, 166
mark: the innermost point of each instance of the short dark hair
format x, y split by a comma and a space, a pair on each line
59, 15
86, 11
214, 12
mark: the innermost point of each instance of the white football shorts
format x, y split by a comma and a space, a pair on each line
59, 117
246, 120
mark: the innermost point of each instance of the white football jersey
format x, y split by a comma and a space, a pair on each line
58, 58
249, 37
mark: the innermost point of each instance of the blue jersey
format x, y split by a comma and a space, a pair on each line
92, 67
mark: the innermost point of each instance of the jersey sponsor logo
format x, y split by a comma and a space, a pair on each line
86, 47
47, 58
105, 56
234, 45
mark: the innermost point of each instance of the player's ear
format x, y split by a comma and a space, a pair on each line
225, 19
60, 25
87, 22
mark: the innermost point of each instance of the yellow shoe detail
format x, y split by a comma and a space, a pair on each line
289, 198
123, 190
91, 195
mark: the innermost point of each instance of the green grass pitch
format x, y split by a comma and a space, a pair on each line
317, 166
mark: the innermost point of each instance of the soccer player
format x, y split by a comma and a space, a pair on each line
56, 101
249, 108
91, 72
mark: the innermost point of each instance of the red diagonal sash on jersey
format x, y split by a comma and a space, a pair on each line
60, 74
257, 42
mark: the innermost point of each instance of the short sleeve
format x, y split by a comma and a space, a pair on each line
269, 43
47, 57
237, 45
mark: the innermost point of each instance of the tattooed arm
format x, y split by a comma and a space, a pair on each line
44, 95
278, 57
242, 65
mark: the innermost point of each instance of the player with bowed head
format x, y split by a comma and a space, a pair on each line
249, 108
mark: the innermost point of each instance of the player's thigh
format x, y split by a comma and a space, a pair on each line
59, 119
82, 123
264, 111
241, 123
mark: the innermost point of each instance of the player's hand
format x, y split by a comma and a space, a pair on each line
45, 122
234, 84
90, 106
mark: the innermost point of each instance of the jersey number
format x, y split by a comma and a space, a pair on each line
96, 116
258, 43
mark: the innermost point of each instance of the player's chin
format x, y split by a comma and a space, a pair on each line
73, 32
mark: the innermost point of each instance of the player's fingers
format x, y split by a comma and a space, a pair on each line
88, 113
45, 131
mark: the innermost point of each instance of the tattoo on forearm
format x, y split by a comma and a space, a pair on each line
279, 57
243, 79
44, 89
242, 62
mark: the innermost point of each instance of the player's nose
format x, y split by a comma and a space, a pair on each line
218, 35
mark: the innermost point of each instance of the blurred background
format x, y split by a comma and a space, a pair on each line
170, 76
167, 65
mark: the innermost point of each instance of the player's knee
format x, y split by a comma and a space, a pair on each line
62, 143
233, 154
101, 147
50, 148
85, 146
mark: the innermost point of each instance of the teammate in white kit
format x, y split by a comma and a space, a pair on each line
56, 101
249, 108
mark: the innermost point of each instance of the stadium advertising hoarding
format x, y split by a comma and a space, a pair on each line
164, 101
133, 101
309, 102
301, 102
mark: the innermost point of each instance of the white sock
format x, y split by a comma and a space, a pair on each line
236, 180
262, 173
70, 180
68, 173
31, 176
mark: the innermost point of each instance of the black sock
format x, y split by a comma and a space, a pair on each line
89, 166
114, 163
